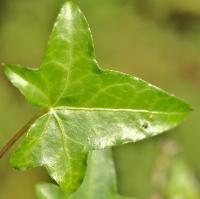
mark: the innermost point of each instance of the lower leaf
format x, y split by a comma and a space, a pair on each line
99, 183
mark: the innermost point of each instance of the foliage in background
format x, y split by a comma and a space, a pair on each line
172, 177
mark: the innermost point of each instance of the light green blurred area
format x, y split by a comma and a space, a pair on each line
156, 40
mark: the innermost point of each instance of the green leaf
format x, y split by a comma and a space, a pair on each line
99, 183
50, 191
87, 107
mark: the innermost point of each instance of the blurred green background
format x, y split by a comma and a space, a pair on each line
156, 40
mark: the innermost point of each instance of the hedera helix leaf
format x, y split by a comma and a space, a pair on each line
99, 183
87, 107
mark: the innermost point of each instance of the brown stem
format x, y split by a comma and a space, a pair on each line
19, 134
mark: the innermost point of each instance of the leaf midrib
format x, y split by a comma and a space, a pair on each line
61, 130
70, 62
115, 110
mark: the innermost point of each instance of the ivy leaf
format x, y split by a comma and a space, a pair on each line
99, 183
87, 107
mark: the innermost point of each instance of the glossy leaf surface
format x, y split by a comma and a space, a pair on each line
87, 107
99, 183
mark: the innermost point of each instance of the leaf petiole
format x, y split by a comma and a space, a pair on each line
20, 133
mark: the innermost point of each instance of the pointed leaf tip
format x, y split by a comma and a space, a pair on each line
29, 82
